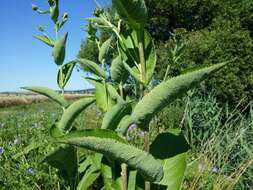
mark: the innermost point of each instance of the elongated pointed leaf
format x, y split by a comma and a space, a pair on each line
104, 49
110, 144
165, 93
64, 158
71, 113
128, 49
133, 11
58, 51
64, 74
50, 93
104, 101
118, 71
115, 114
172, 149
46, 40
92, 67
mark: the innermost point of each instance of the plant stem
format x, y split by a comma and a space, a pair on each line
124, 176
146, 148
142, 55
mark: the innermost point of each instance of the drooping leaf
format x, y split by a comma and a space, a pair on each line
58, 51
92, 67
46, 40
172, 149
128, 49
133, 11
50, 93
118, 71
104, 101
115, 114
165, 93
104, 49
72, 112
64, 158
64, 73
114, 94
110, 144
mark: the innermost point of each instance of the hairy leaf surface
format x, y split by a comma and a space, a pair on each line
50, 93
110, 144
92, 67
59, 50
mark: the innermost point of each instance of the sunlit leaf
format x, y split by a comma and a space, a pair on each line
46, 40
64, 73
92, 67
58, 51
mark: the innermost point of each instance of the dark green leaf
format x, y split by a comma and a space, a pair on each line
64, 73
118, 71
64, 158
133, 11
54, 10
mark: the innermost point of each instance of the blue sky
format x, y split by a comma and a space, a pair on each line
25, 61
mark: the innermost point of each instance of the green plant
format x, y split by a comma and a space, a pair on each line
155, 167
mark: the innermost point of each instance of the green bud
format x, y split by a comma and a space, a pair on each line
35, 7
41, 28
65, 16
98, 12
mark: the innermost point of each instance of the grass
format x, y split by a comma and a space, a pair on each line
221, 156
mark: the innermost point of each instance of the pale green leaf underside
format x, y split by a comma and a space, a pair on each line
110, 144
164, 94
58, 51
104, 49
50, 93
46, 40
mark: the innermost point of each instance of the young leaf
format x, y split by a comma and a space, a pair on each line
118, 71
64, 158
48, 92
104, 49
72, 112
46, 40
54, 10
133, 11
92, 67
165, 93
110, 144
58, 51
115, 114
64, 73
104, 100
172, 149
128, 49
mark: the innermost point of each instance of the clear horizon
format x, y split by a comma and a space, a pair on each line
26, 61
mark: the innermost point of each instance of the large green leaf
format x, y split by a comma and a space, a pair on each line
129, 52
72, 112
46, 40
172, 149
115, 114
92, 67
133, 11
50, 93
64, 158
110, 144
164, 94
64, 73
104, 49
104, 100
118, 71
58, 51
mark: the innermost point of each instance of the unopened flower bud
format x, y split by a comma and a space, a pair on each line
35, 7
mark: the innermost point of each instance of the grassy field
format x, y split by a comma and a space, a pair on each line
221, 155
